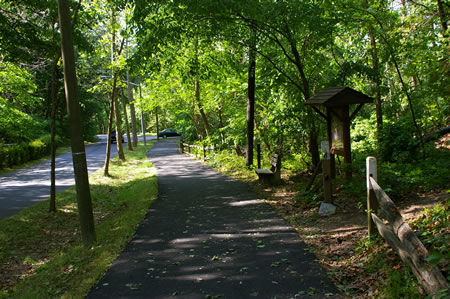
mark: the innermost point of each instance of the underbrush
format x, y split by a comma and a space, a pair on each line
41, 253
231, 164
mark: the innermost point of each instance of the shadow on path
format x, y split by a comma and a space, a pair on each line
208, 236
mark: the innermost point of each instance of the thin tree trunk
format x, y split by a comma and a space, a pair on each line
157, 123
251, 99
376, 70
132, 112
222, 133
195, 121
115, 94
124, 104
108, 142
413, 115
200, 107
118, 129
73, 108
54, 105
312, 140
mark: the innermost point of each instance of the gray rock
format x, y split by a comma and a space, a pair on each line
326, 209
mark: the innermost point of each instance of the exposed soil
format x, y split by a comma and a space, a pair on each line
334, 239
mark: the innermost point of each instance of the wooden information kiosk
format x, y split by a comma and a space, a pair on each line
337, 101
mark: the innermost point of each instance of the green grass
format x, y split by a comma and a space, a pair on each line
230, 164
41, 254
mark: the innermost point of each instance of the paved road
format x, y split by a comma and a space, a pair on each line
208, 236
30, 185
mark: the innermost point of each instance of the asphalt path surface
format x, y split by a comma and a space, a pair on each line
209, 236
27, 186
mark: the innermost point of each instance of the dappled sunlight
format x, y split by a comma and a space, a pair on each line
209, 234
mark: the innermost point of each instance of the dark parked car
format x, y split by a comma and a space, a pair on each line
168, 133
113, 137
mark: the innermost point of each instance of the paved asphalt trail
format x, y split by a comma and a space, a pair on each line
208, 236
27, 186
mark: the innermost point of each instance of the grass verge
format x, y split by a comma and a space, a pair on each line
41, 254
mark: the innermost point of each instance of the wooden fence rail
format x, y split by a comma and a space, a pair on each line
398, 233
189, 147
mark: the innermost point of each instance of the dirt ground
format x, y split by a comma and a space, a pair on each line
334, 239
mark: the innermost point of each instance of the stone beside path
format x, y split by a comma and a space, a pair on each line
208, 236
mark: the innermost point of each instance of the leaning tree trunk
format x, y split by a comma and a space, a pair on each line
76, 135
251, 99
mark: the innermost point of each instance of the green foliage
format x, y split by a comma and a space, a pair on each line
432, 228
424, 174
24, 152
398, 143
231, 164
395, 281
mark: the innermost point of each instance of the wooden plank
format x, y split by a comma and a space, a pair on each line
263, 171
428, 275
387, 234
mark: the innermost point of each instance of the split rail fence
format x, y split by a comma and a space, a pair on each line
196, 150
398, 234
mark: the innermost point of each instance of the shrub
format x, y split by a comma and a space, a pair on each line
23, 152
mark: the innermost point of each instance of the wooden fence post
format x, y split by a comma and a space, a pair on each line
372, 203
181, 146
326, 171
258, 153
204, 152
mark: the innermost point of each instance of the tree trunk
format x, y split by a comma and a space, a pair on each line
375, 66
73, 108
157, 123
108, 142
118, 129
222, 133
124, 104
200, 107
251, 99
132, 112
195, 121
410, 104
54, 105
115, 93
